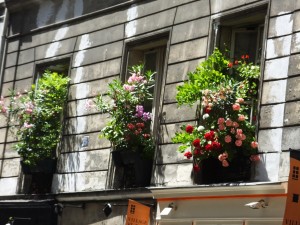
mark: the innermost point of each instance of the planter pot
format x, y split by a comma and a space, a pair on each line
136, 170
46, 166
212, 171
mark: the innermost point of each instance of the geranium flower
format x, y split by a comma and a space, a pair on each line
189, 129
238, 143
196, 142
188, 155
241, 118
225, 163
227, 139
254, 144
236, 107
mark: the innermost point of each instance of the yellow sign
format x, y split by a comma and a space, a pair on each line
137, 213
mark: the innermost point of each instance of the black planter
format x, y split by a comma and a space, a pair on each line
212, 171
46, 166
136, 169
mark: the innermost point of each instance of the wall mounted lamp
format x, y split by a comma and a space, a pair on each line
167, 210
257, 205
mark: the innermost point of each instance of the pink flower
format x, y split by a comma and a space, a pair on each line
221, 157
227, 138
128, 87
238, 143
232, 130
221, 120
139, 111
241, 118
235, 124
236, 107
27, 125
135, 78
239, 131
225, 163
240, 100
228, 122
221, 127
146, 116
254, 144
254, 158
243, 137
28, 110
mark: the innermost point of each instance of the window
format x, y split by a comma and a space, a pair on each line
150, 52
295, 198
241, 34
295, 173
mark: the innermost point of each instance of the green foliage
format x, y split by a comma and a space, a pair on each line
38, 114
129, 125
223, 129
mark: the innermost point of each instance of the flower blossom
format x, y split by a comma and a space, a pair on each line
236, 107
200, 128
128, 87
225, 163
27, 125
221, 120
196, 168
205, 116
139, 111
227, 139
254, 144
241, 117
228, 122
135, 78
189, 129
240, 100
238, 143
188, 155
146, 116
196, 142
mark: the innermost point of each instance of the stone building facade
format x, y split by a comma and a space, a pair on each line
93, 39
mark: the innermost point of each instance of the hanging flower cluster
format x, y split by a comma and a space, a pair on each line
129, 114
224, 129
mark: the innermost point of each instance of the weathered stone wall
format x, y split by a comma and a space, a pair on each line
95, 46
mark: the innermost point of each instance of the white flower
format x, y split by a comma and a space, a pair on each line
200, 128
205, 116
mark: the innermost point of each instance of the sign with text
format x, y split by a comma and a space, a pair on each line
137, 213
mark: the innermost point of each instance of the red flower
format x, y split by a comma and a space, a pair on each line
230, 65
208, 147
188, 155
196, 142
196, 168
140, 125
243, 57
236, 62
189, 129
130, 126
207, 110
246, 56
197, 151
216, 145
210, 136
146, 136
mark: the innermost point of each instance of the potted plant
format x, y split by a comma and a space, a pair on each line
222, 141
129, 127
37, 116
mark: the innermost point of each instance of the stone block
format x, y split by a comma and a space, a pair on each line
3, 121
290, 138
83, 142
295, 48
2, 134
270, 140
188, 50
292, 113
22, 85
294, 66
190, 30
84, 161
9, 74
173, 175
96, 71
169, 154
276, 68
101, 37
171, 92
281, 25
293, 89
8, 186
78, 182
296, 26
191, 11
25, 71
218, 6
55, 49
85, 124
98, 54
154, 22
89, 89
279, 46
13, 45
271, 116
267, 169
284, 166
1, 151
279, 7
10, 167
5, 88
11, 59
178, 72
173, 114
26, 56
9, 151
79, 108
274, 92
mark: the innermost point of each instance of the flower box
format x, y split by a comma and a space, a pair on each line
211, 171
